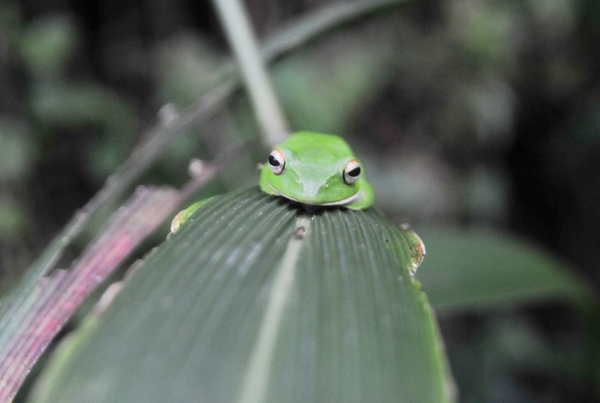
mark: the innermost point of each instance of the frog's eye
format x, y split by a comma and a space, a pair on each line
351, 172
276, 162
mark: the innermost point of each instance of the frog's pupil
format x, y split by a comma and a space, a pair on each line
273, 161
355, 172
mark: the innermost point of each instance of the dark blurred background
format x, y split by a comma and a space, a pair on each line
464, 112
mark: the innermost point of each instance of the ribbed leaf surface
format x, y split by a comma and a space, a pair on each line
257, 301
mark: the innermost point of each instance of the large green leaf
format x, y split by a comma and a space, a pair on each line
254, 300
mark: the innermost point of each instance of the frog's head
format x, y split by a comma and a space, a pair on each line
315, 169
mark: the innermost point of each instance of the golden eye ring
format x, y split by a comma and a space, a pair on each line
276, 162
351, 172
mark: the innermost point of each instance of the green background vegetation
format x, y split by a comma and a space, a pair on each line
473, 115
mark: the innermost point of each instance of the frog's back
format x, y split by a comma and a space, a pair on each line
307, 142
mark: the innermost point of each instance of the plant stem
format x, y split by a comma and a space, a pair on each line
236, 24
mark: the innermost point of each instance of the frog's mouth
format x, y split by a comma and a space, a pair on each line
342, 202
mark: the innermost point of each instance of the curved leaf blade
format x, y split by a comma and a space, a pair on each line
481, 267
243, 306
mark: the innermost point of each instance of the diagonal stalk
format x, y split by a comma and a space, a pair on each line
242, 40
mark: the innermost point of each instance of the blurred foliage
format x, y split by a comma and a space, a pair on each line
468, 112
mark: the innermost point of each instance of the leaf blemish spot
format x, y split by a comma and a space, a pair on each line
300, 232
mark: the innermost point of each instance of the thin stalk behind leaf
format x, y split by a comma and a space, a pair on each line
235, 21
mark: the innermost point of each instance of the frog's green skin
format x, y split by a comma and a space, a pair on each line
313, 173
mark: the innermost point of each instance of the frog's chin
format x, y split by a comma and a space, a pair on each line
342, 202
